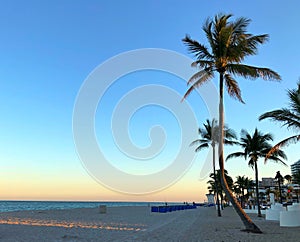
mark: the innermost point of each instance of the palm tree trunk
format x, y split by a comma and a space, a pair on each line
250, 226
279, 187
256, 189
216, 186
243, 197
222, 200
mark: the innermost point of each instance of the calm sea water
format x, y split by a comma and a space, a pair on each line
7, 206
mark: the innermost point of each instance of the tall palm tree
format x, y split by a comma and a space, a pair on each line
229, 45
254, 147
290, 117
209, 137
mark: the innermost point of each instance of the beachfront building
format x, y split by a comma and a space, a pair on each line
267, 182
267, 185
295, 168
290, 192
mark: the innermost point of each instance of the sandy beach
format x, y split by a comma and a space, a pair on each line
136, 224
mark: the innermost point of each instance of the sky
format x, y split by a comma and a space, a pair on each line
50, 49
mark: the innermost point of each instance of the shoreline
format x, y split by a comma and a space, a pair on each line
136, 223
6, 206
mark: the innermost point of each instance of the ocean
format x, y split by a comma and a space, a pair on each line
8, 206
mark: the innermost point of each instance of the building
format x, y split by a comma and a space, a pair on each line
267, 182
295, 168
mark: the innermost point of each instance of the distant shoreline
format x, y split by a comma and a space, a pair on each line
6, 206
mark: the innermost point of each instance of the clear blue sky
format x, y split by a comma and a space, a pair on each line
48, 48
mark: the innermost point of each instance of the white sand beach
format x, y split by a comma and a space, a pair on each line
136, 224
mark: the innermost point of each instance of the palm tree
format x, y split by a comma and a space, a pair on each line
279, 178
209, 137
215, 186
290, 117
241, 184
216, 183
229, 45
255, 147
288, 178
248, 185
237, 191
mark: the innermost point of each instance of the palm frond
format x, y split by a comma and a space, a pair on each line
249, 45
252, 72
200, 51
203, 63
207, 28
199, 141
229, 133
294, 96
231, 142
251, 162
233, 88
235, 155
221, 22
224, 40
200, 147
290, 140
284, 115
240, 25
277, 160
203, 77
265, 137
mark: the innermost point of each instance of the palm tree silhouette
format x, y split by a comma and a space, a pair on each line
215, 183
254, 147
229, 45
209, 137
288, 178
241, 184
279, 178
290, 117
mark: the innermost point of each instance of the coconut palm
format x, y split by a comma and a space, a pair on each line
241, 184
254, 147
215, 183
244, 183
209, 137
279, 178
215, 187
249, 184
290, 117
288, 178
229, 45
